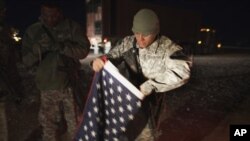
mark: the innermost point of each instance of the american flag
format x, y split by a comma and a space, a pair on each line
112, 103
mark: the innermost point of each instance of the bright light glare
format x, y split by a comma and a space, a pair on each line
219, 45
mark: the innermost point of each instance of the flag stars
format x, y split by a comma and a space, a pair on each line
113, 110
103, 73
87, 137
91, 124
111, 107
93, 133
104, 83
98, 86
119, 89
111, 91
94, 100
128, 97
131, 117
89, 114
96, 109
107, 112
129, 107
85, 128
111, 81
114, 131
114, 120
98, 119
107, 121
138, 103
121, 109
112, 101
107, 132
105, 92
121, 119
123, 129
119, 98
106, 102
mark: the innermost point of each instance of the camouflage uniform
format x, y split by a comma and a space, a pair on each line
164, 67
53, 54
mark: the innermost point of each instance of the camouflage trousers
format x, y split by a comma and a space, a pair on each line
55, 105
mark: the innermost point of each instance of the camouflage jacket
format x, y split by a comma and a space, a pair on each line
163, 64
49, 50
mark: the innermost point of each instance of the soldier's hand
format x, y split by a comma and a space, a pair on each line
143, 92
97, 64
146, 88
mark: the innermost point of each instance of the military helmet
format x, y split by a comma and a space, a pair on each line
145, 22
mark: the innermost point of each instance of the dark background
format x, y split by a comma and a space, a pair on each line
230, 19
21, 14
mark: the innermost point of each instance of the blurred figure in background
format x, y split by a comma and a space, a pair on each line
51, 49
10, 80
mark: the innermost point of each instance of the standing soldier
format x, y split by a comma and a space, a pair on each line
155, 66
52, 48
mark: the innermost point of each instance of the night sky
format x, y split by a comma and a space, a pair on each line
229, 18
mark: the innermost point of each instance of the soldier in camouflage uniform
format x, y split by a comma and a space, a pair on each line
155, 65
52, 48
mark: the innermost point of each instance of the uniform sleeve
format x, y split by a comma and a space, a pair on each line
176, 72
28, 57
78, 47
115, 55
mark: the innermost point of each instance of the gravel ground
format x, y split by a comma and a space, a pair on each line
216, 96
